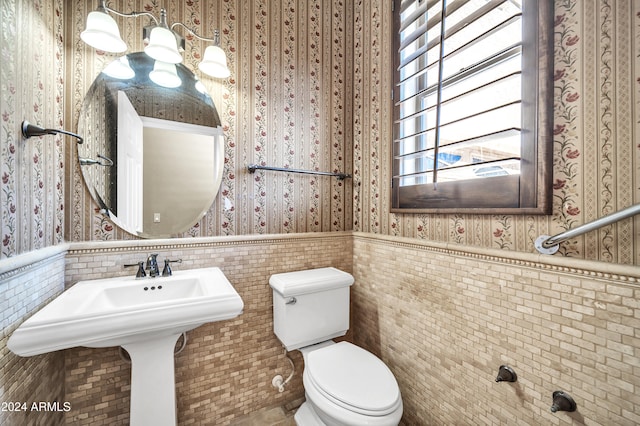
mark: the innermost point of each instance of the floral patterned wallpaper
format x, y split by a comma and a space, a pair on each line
31, 88
596, 148
284, 105
309, 89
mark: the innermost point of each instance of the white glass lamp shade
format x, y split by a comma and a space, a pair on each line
163, 46
165, 74
120, 69
102, 33
214, 63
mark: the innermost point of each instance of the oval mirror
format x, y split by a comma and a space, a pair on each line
153, 154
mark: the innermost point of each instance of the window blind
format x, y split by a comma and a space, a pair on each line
459, 91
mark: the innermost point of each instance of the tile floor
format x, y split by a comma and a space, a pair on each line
275, 416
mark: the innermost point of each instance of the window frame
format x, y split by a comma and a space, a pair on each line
527, 193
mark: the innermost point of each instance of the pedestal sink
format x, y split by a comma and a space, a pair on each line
145, 316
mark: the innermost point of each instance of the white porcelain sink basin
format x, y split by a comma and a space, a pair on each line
145, 316
118, 311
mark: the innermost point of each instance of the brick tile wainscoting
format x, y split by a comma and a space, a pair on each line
28, 282
444, 317
225, 370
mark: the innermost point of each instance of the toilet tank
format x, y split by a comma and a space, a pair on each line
310, 306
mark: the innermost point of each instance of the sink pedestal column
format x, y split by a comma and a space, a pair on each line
153, 389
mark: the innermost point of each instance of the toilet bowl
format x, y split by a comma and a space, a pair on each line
344, 384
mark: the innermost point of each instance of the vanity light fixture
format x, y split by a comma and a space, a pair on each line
29, 130
214, 62
164, 44
102, 31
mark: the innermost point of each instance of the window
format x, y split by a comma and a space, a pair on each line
473, 106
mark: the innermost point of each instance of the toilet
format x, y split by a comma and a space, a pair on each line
344, 384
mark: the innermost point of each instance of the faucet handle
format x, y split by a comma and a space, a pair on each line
140, 265
166, 272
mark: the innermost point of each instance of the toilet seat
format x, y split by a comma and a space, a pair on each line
353, 379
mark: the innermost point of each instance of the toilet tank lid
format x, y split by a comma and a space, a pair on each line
309, 281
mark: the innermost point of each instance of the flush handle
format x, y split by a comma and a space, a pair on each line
291, 301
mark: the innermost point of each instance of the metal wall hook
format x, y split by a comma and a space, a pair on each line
29, 130
506, 374
562, 402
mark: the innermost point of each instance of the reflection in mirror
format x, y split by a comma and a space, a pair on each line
153, 156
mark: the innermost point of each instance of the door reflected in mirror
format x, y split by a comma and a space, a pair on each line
165, 149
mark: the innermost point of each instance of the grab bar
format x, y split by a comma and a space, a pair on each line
549, 245
253, 167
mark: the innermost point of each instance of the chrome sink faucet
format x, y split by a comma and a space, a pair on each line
152, 265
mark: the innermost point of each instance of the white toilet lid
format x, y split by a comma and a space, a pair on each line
354, 378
